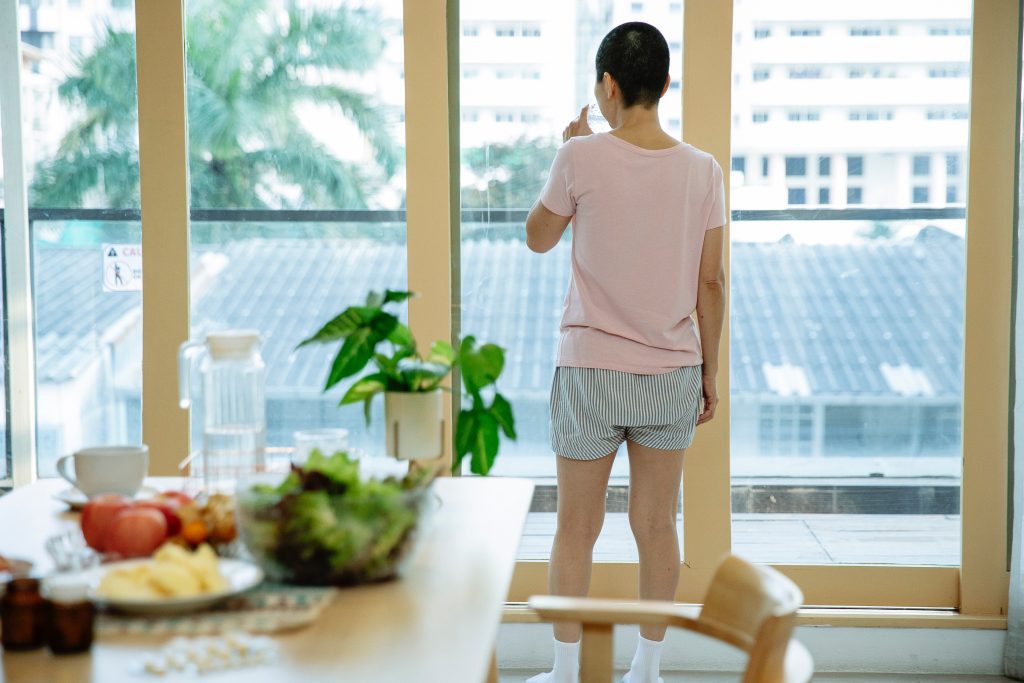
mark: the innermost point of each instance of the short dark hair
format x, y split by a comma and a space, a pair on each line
636, 56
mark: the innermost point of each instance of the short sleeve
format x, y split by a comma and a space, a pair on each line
716, 198
558, 193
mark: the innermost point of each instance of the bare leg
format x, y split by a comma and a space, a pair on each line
581, 499
654, 477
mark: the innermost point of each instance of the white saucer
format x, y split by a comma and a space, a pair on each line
76, 500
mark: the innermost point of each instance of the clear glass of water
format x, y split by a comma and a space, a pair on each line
596, 120
327, 441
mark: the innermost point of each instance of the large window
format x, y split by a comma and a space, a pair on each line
80, 138
503, 171
300, 123
846, 335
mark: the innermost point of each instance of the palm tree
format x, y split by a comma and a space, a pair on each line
251, 65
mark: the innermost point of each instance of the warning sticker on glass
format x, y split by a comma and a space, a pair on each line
122, 267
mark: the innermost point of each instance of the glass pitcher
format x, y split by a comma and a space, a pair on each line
233, 406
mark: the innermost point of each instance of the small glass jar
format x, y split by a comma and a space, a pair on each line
71, 616
23, 616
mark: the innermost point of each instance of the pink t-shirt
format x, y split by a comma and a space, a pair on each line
639, 221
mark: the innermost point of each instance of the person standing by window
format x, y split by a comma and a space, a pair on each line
648, 216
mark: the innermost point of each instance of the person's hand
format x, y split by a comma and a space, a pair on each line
578, 126
709, 389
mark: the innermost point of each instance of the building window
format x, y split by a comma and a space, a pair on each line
855, 195
824, 166
865, 31
505, 31
529, 117
805, 32
503, 74
823, 195
470, 116
762, 32
470, 30
760, 116
673, 85
739, 164
532, 75
470, 73
805, 72
920, 195
856, 73
675, 46
809, 115
855, 165
761, 74
675, 7
504, 117
796, 166
951, 194
922, 164
674, 123
531, 31
637, 7
764, 167
870, 115
947, 72
952, 164
797, 195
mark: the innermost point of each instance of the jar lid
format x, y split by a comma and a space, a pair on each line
66, 589
232, 343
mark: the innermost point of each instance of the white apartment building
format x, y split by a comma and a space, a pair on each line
847, 104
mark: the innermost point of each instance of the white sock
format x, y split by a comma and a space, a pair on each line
567, 665
646, 662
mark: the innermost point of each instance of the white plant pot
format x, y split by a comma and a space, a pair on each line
413, 425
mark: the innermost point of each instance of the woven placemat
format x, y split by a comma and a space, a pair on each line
268, 609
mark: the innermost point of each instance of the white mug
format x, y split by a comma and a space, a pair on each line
107, 469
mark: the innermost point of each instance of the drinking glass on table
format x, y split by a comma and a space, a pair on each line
327, 441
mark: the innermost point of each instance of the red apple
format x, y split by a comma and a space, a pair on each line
168, 507
180, 497
136, 532
97, 515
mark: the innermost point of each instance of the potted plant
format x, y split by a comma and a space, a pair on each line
411, 384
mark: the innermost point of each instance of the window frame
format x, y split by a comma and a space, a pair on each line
978, 589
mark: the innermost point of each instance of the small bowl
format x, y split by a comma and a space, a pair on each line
320, 538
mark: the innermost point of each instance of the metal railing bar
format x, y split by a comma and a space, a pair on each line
483, 215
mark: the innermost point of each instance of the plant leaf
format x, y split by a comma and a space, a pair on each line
363, 388
501, 411
422, 376
485, 444
383, 324
393, 295
343, 325
402, 337
374, 300
441, 352
480, 367
465, 432
353, 356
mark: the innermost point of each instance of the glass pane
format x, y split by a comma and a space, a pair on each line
296, 113
847, 328
527, 69
88, 338
81, 143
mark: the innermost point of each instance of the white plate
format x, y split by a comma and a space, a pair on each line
76, 500
241, 577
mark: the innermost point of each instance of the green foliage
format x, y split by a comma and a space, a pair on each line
477, 431
364, 329
252, 66
508, 175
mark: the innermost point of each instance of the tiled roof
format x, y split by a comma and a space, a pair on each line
876, 319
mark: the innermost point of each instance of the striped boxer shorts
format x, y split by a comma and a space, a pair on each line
594, 410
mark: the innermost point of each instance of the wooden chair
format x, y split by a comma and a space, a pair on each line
749, 606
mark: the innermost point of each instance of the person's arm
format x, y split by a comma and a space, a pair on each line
544, 228
710, 315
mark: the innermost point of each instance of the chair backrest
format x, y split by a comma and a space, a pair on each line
754, 608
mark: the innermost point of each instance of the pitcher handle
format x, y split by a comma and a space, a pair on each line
186, 353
